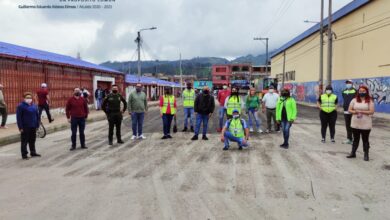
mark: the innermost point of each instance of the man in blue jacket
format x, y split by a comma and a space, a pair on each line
27, 117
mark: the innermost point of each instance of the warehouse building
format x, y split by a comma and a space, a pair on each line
361, 51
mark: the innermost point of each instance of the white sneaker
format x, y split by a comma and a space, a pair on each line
133, 137
260, 131
250, 129
141, 137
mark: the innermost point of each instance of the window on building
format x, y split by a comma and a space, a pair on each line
245, 68
220, 69
235, 68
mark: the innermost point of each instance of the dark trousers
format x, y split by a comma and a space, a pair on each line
114, 120
348, 118
28, 136
201, 119
365, 138
286, 125
137, 121
47, 110
328, 119
4, 114
271, 116
167, 121
80, 124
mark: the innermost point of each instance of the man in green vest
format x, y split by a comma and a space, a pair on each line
233, 102
327, 103
286, 113
235, 130
188, 104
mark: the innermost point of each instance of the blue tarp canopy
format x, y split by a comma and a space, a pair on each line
133, 79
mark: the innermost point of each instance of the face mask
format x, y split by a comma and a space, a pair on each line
236, 116
77, 93
224, 87
138, 89
284, 94
206, 92
362, 94
188, 87
28, 101
234, 93
349, 86
271, 90
115, 91
328, 92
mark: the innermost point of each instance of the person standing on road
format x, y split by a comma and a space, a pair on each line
43, 101
221, 97
269, 107
286, 113
252, 107
77, 113
235, 130
204, 108
112, 107
327, 103
349, 93
233, 102
85, 94
99, 96
27, 117
3, 109
137, 105
168, 108
362, 108
188, 104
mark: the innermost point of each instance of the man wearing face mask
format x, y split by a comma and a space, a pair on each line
349, 93
77, 113
221, 97
112, 107
3, 109
327, 103
204, 108
188, 104
269, 107
27, 117
233, 102
235, 130
137, 105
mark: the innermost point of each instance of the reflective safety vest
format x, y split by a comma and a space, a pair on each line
189, 98
236, 128
171, 101
233, 103
328, 103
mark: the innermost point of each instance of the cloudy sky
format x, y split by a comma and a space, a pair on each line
222, 28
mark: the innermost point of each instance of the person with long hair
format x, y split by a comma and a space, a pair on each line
252, 107
362, 108
286, 114
233, 102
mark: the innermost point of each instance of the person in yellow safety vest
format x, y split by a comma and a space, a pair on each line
188, 104
233, 102
168, 108
235, 130
327, 103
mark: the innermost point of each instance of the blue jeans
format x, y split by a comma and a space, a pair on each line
74, 124
167, 121
286, 125
188, 113
252, 113
221, 114
230, 137
200, 118
137, 120
99, 103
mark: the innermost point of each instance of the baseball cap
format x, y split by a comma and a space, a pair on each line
349, 81
236, 111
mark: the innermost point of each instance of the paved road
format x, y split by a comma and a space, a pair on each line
181, 179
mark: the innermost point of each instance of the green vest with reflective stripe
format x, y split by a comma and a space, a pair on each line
189, 98
328, 103
233, 103
236, 128
349, 91
171, 100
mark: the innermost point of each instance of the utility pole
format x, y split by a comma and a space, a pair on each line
321, 77
330, 45
266, 51
284, 68
138, 40
181, 78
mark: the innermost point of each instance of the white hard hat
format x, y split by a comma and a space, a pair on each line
43, 85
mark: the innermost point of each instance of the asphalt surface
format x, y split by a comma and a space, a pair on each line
182, 179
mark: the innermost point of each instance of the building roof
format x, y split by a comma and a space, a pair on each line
39, 55
133, 79
344, 11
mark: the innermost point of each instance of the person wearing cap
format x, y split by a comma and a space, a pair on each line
269, 107
349, 93
168, 109
204, 108
188, 104
235, 130
286, 114
27, 118
43, 101
3, 109
327, 103
221, 97
137, 105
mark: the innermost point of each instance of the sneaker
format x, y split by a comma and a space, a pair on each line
347, 142
225, 148
164, 137
72, 148
323, 140
50, 121
120, 142
333, 141
25, 158
204, 137
35, 155
285, 146
84, 147
142, 137
185, 129
194, 138
260, 131
133, 137
267, 131
169, 136
250, 129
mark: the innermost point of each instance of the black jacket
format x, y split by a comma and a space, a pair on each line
348, 95
204, 104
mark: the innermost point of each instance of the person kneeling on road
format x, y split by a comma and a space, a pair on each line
235, 130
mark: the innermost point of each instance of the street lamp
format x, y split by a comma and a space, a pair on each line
138, 41
313, 22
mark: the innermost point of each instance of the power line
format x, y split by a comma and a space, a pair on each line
282, 13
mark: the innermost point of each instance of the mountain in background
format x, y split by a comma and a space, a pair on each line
199, 66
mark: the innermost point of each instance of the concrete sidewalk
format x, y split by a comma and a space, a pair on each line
12, 135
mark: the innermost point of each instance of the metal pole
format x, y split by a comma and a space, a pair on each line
266, 56
321, 77
139, 52
181, 78
330, 44
284, 68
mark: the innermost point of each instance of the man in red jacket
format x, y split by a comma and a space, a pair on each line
77, 112
222, 94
